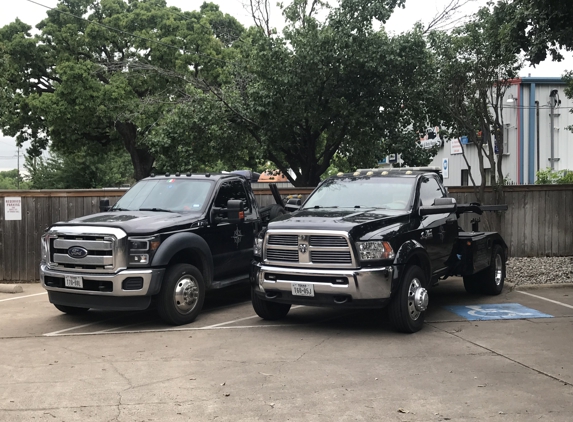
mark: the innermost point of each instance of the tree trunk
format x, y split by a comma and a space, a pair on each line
141, 158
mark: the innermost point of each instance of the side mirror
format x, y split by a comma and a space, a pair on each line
104, 205
440, 206
235, 211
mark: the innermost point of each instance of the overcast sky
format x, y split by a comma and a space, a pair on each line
402, 19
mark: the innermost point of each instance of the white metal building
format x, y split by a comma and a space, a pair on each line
527, 118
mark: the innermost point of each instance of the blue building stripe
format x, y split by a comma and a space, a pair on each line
521, 145
531, 149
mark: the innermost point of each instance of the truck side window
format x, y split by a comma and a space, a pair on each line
429, 190
233, 189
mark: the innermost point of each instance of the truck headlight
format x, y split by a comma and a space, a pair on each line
258, 247
141, 249
374, 250
44, 248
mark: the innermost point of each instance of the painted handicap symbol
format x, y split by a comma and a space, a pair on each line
487, 312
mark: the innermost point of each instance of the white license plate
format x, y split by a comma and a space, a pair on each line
302, 289
75, 281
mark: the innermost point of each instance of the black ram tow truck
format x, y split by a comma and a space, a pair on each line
167, 241
371, 239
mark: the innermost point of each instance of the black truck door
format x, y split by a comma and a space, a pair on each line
231, 244
439, 231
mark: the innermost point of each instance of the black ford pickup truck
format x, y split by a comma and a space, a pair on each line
165, 242
374, 238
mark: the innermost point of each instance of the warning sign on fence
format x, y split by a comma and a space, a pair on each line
13, 208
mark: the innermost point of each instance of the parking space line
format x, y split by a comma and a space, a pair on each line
57, 333
237, 320
161, 330
544, 298
22, 297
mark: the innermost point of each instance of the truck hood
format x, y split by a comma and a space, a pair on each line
137, 222
360, 224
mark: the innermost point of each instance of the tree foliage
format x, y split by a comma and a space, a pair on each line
12, 180
320, 89
104, 72
476, 63
89, 167
539, 26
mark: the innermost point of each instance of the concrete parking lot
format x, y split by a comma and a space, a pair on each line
317, 364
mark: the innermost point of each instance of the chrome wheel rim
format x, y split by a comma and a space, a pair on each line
414, 287
186, 294
498, 270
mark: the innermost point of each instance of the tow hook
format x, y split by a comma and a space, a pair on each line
421, 299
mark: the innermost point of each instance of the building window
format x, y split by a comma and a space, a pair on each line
465, 178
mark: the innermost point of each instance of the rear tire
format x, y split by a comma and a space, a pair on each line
71, 310
404, 316
491, 280
269, 310
494, 275
472, 284
182, 294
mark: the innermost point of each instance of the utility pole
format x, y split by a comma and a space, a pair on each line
553, 101
18, 176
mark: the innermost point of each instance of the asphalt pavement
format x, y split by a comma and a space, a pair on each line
503, 358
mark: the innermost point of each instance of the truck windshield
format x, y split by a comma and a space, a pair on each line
174, 195
364, 192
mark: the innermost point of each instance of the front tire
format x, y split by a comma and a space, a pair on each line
71, 310
182, 294
269, 310
407, 310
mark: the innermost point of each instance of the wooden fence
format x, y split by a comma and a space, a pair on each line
539, 221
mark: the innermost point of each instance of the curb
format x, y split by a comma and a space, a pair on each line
542, 286
11, 288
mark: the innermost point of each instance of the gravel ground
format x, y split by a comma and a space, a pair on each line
540, 270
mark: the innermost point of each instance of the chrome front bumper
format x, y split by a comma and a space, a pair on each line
363, 284
151, 279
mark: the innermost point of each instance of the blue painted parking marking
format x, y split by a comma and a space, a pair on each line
499, 311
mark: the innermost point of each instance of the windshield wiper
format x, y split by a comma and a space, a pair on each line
155, 209
119, 209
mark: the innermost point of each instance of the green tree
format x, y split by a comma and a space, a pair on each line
12, 180
89, 167
539, 26
320, 89
475, 64
102, 72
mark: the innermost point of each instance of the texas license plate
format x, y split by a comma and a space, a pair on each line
302, 289
74, 281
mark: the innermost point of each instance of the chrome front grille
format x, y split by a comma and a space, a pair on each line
330, 257
308, 249
104, 249
282, 255
283, 240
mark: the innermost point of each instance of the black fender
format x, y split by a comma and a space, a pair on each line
411, 249
180, 242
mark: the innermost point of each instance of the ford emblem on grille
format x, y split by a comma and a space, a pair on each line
77, 252
302, 248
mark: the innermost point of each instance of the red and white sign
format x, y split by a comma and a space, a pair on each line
13, 208
455, 147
